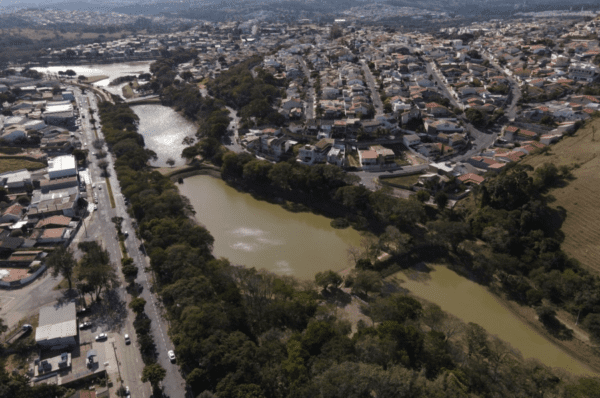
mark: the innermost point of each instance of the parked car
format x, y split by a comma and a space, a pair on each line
101, 336
27, 327
171, 355
85, 325
127, 339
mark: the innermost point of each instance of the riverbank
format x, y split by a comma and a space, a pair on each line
438, 284
585, 353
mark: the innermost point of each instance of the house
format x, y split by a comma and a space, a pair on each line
336, 155
368, 158
583, 72
437, 110
471, 179
14, 132
433, 126
53, 222
51, 236
16, 181
411, 140
291, 103
312, 154
12, 214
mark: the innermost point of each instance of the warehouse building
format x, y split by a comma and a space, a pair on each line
62, 166
57, 327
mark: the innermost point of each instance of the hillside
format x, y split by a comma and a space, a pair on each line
580, 197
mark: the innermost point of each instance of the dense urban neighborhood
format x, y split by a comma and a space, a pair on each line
430, 143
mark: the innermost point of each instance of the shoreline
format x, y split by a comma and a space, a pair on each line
521, 313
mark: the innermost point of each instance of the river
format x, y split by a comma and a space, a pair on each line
474, 303
111, 70
263, 235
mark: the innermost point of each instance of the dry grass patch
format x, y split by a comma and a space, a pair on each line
12, 164
580, 197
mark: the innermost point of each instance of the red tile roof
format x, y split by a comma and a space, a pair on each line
471, 178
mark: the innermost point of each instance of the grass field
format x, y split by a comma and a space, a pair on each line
11, 164
404, 180
580, 197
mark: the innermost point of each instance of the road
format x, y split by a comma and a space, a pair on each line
368, 178
479, 140
515, 95
373, 87
309, 104
100, 226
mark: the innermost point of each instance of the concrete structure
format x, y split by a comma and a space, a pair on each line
57, 327
584, 72
62, 166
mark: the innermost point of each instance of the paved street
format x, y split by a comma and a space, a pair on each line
479, 139
373, 87
309, 104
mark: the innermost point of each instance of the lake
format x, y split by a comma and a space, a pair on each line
163, 130
259, 234
111, 70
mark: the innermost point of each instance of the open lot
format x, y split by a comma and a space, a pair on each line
13, 164
406, 181
580, 196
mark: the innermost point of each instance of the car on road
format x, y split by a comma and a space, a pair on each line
171, 355
95, 207
127, 339
127, 393
26, 327
85, 325
101, 336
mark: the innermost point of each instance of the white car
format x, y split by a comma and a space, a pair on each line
171, 355
127, 339
127, 393
101, 336
84, 325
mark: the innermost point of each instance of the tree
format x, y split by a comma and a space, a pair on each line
137, 305
441, 200
103, 164
62, 262
154, 374
448, 232
423, 195
170, 162
328, 280
365, 281
81, 78
98, 144
96, 269
592, 323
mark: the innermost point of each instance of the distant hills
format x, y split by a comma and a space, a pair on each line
219, 10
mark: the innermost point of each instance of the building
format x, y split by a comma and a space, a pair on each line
57, 327
62, 166
585, 72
